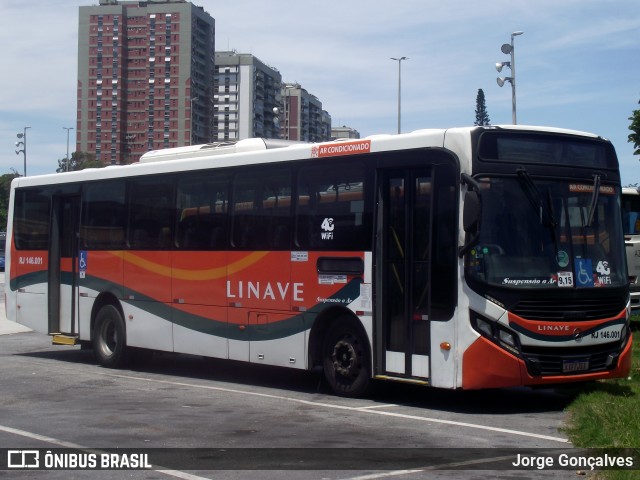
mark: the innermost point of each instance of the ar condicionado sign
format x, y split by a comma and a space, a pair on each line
340, 148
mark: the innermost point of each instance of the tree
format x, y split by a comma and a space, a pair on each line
78, 161
482, 117
5, 189
635, 128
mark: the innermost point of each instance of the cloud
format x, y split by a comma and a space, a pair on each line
40, 56
573, 54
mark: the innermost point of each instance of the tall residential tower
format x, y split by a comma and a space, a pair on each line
246, 97
145, 77
304, 118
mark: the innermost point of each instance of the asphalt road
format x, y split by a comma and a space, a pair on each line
57, 397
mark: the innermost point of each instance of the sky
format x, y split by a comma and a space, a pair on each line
577, 65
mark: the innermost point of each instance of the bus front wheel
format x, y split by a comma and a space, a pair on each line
109, 338
346, 360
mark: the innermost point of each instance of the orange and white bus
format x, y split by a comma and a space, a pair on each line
458, 258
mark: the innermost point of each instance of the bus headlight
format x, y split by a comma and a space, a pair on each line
496, 333
506, 337
508, 341
484, 327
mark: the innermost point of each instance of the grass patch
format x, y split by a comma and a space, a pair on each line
606, 414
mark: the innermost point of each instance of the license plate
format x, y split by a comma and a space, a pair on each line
578, 365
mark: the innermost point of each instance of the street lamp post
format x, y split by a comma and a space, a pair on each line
399, 60
23, 141
67, 129
508, 49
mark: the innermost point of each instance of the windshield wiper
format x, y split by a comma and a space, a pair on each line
594, 199
534, 197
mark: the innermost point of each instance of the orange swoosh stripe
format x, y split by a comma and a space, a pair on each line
182, 274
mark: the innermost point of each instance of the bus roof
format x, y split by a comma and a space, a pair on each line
216, 148
255, 151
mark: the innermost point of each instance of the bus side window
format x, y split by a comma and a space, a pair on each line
103, 217
150, 214
31, 219
262, 211
202, 213
631, 214
245, 213
276, 210
333, 212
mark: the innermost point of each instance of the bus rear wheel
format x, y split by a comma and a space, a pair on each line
346, 360
109, 338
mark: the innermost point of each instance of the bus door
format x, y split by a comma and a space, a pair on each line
631, 225
404, 272
63, 265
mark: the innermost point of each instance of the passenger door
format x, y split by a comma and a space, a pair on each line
63, 266
404, 275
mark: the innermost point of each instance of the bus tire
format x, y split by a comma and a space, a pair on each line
346, 360
110, 338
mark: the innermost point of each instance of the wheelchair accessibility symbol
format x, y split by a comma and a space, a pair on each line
584, 272
82, 263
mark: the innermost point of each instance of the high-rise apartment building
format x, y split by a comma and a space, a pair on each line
344, 132
145, 77
250, 100
303, 116
246, 92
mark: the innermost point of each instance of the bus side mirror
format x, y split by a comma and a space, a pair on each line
471, 213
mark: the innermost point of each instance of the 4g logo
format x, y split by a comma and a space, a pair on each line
603, 268
327, 226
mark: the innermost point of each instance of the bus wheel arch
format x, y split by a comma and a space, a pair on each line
108, 332
340, 345
318, 332
104, 298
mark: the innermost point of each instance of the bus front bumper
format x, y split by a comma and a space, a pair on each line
486, 365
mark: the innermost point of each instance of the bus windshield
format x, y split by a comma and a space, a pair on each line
540, 233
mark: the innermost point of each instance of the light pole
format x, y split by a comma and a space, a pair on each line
399, 60
508, 49
23, 141
67, 129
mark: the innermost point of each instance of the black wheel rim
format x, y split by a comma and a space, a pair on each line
345, 358
108, 337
